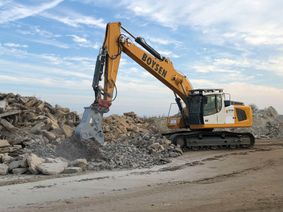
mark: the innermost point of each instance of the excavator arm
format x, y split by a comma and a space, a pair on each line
107, 66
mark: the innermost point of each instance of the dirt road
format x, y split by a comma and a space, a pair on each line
236, 180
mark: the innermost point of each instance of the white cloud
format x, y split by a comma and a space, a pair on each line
78, 63
15, 45
46, 82
38, 35
11, 11
42, 69
84, 42
253, 22
168, 53
50, 42
79, 39
163, 41
12, 50
273, 64
221, 65
74, 19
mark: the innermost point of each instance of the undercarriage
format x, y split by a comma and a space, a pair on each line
198, 140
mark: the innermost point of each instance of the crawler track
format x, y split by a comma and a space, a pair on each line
197, 140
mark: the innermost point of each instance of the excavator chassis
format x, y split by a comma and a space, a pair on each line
198, 140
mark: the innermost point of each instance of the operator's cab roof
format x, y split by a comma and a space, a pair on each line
206, 91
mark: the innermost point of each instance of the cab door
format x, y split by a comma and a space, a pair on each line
213, 109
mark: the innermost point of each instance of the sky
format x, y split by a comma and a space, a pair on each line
48, 49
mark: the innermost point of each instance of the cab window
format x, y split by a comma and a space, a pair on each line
218, 102
212, 104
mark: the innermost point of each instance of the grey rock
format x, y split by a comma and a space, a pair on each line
3, 105
156, 147
49, 135
6, 158
82, 163
68, 131
33, 161
3, 169
36, 129
72, 170
18, 164
4, 143
52, 168
7, 125
19, 170
178, 150
173, 154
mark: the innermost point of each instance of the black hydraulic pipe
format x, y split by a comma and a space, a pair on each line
143, 43
100, 61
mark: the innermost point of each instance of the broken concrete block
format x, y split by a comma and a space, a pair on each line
7, 125
33, 161
51, 120
50, 160
3, 169
19, 170
82, 163
52, 168
178, 150
72, 170
18, 164
4, 143
49, 135
156, 147
6, 158
10, 149
36, 129
3, 105
68, 131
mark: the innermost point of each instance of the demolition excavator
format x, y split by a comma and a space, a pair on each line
203, 113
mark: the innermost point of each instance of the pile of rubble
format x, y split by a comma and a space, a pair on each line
32, 164
25, 121
139, 151
267, 123
130, 142
36, 137
31, 128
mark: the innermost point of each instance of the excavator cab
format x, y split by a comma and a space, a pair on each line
208, 109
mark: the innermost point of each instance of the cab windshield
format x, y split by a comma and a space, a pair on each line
212, 104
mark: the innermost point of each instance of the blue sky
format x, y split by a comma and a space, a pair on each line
48, 49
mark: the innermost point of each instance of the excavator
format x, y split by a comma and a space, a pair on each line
204, 116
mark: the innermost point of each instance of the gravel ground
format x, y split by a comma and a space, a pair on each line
238, 180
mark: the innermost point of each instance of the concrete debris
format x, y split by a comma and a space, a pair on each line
3, 169
33, 162
57, 167
19, 170
18, 164
4, 143
5, 158
82, 163
72, 170
32, 123
34, 135
3, 105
